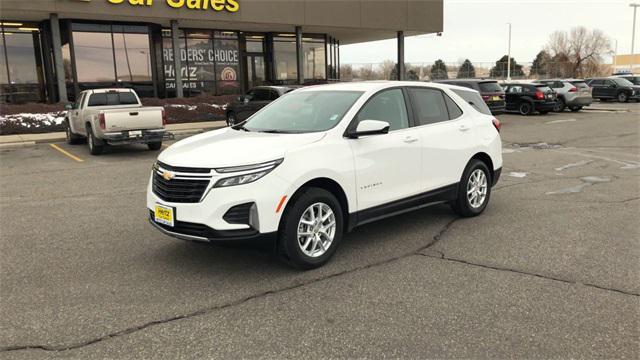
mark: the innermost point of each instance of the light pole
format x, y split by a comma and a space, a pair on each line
509, 56
615, 56
633, 34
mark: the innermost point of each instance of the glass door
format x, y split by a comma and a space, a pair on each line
254, 60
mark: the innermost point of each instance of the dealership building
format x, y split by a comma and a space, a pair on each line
52, 49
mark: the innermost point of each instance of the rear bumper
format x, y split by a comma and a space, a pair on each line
544, 106
147, 136
580, 101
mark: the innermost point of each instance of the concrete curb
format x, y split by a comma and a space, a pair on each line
58, 137
587, 108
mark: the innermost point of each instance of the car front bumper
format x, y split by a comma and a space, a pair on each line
209, 220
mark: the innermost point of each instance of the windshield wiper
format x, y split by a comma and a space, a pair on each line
276, 131
240, 127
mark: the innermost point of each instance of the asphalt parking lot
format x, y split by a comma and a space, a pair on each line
550, 270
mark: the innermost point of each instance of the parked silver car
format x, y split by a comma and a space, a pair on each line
572, 93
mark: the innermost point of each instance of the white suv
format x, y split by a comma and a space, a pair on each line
322, 160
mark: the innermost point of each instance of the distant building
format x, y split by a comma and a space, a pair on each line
624, 63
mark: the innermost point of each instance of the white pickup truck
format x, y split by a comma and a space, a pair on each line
114, 117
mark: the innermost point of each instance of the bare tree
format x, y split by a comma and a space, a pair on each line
583, 49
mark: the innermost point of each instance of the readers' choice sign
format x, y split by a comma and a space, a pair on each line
215, 5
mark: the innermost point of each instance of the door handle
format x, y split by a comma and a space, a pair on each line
463, 128
410, 139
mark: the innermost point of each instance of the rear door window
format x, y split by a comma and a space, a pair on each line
429, 105
474, 100
490, 86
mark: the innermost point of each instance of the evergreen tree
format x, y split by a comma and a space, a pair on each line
500, 69
466, 70
539, 67
439, 71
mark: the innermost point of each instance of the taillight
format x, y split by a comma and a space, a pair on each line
573, 89
164, 117
103, 124
496, 124
539, 95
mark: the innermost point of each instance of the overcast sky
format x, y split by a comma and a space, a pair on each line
477, 29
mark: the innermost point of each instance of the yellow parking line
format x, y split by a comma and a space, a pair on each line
63, 151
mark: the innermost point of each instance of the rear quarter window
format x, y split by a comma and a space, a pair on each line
474, 100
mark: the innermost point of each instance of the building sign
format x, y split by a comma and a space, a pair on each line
215, 5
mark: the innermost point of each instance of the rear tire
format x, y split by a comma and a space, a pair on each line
94, 148
154, 146
72, 138
303, 216
476, 180
525, 108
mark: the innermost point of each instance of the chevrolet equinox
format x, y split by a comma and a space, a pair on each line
321, 160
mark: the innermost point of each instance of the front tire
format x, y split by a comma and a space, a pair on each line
94, 147
311, 229
72, 138
525, 108
231, 118
474, 190
622, 97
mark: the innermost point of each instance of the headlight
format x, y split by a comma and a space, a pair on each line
250, 173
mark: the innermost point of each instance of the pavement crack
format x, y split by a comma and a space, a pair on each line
547, 277
207, 310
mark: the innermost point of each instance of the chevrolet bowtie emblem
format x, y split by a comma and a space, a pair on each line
168, 175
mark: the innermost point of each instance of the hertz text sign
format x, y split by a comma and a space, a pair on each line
215, 5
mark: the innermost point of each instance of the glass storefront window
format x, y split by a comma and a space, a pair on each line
94, 56
284, 52
314, 59
21, 73
133, 58
227, 57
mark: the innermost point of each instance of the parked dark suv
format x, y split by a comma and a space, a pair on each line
490, 90
614, 88
255, 99
634, 79
529, 98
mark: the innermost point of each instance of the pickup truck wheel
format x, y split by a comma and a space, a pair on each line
474, 190
525, 108
311, 229
155, 146
94, 148
622, 97
72, 138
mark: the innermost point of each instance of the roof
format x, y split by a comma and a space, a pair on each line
373, 85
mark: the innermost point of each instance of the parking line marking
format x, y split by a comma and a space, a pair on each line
65, 152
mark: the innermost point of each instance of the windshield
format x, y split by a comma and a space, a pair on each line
303, 111
622, 82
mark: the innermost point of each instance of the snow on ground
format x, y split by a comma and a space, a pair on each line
34, 120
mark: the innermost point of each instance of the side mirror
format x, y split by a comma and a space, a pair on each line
370, 127
68, 106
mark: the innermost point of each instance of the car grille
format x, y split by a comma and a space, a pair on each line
179, 190
203, 231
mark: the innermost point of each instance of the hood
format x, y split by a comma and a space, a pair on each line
228, 147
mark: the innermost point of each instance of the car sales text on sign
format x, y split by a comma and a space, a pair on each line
216, 5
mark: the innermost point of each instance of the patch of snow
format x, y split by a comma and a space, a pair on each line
568, 166
560, 121
34, 120
518, 174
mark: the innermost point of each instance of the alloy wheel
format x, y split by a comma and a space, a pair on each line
477, 188
316, 230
